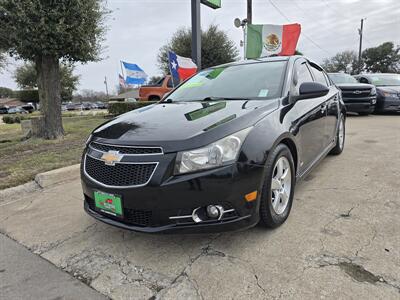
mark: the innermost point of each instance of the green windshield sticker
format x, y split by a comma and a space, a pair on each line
205, 111
189, 85
215, 73
263, 93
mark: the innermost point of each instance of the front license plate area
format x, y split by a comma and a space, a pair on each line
108, 204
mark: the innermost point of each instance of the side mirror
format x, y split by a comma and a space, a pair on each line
309, 90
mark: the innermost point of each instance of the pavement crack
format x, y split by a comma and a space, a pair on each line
44, 249
355, 270
258, 283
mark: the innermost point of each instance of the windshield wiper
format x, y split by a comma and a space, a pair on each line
224, 98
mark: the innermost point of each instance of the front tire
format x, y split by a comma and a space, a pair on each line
278, 188
340, 137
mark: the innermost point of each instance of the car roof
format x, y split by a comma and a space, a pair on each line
258, 60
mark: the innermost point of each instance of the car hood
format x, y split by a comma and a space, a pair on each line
389, 89
183, 125
354, 86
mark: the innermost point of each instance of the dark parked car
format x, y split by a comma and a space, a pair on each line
358, 97
101, 105
223, 151
4, 110
29, 108
387, 90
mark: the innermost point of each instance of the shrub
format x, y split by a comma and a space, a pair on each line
15, 118
118, 108
28, 95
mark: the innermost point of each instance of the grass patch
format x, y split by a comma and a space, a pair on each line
22, 160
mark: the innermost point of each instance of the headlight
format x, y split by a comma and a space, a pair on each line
373, 91
219, 153
390, 95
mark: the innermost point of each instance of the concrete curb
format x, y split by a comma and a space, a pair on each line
20, 190
57, 176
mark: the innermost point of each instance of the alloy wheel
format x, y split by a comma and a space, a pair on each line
341, 133
281, 185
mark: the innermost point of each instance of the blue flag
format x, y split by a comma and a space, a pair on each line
134, 74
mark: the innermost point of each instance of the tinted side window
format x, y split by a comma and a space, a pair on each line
302, 74
319, 76
327, 79
169, 83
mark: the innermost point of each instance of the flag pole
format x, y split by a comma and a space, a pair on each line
170, 72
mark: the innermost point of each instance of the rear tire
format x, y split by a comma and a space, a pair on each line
278, 189
340, 137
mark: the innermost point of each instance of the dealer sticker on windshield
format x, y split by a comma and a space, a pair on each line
108, 203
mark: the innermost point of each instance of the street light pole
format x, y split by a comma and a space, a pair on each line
360, 32
105, 82
249, 11
196, 33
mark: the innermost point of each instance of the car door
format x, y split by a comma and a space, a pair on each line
331, 104
311, 125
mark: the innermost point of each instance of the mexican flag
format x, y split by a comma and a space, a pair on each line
267, 40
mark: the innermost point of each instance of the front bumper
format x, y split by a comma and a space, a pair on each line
149, 208
390, 105
359, 105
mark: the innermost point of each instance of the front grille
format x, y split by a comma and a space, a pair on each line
119, 175
126, 150
138, 217
351, 94
131, 216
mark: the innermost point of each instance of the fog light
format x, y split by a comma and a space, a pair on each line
213, 212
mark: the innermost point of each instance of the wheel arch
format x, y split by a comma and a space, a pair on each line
293, 149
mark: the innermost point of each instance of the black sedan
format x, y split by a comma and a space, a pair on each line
387, 89
358, 97
223, 151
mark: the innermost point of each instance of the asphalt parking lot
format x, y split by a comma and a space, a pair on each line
342, 239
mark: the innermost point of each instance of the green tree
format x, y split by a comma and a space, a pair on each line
6, 92
382, 59
346, 61
155, 79
26, 78
3, 61
46, 32
216, 47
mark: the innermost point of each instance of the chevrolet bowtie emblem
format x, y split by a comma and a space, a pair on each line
111, 157
357, 92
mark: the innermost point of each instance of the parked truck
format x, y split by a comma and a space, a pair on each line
155, 92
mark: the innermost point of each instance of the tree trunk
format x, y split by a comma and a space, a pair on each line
48, 71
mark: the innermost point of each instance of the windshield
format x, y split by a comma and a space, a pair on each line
385, 79
261, 80
342, 78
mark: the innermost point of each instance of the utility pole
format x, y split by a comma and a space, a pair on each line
196, 33
249, 11
105, 82
360, 32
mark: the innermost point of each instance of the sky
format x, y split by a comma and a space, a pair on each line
138, 28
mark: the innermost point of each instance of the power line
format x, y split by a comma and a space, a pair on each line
306, 36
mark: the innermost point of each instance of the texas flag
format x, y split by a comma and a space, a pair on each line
181, 67
266, 40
